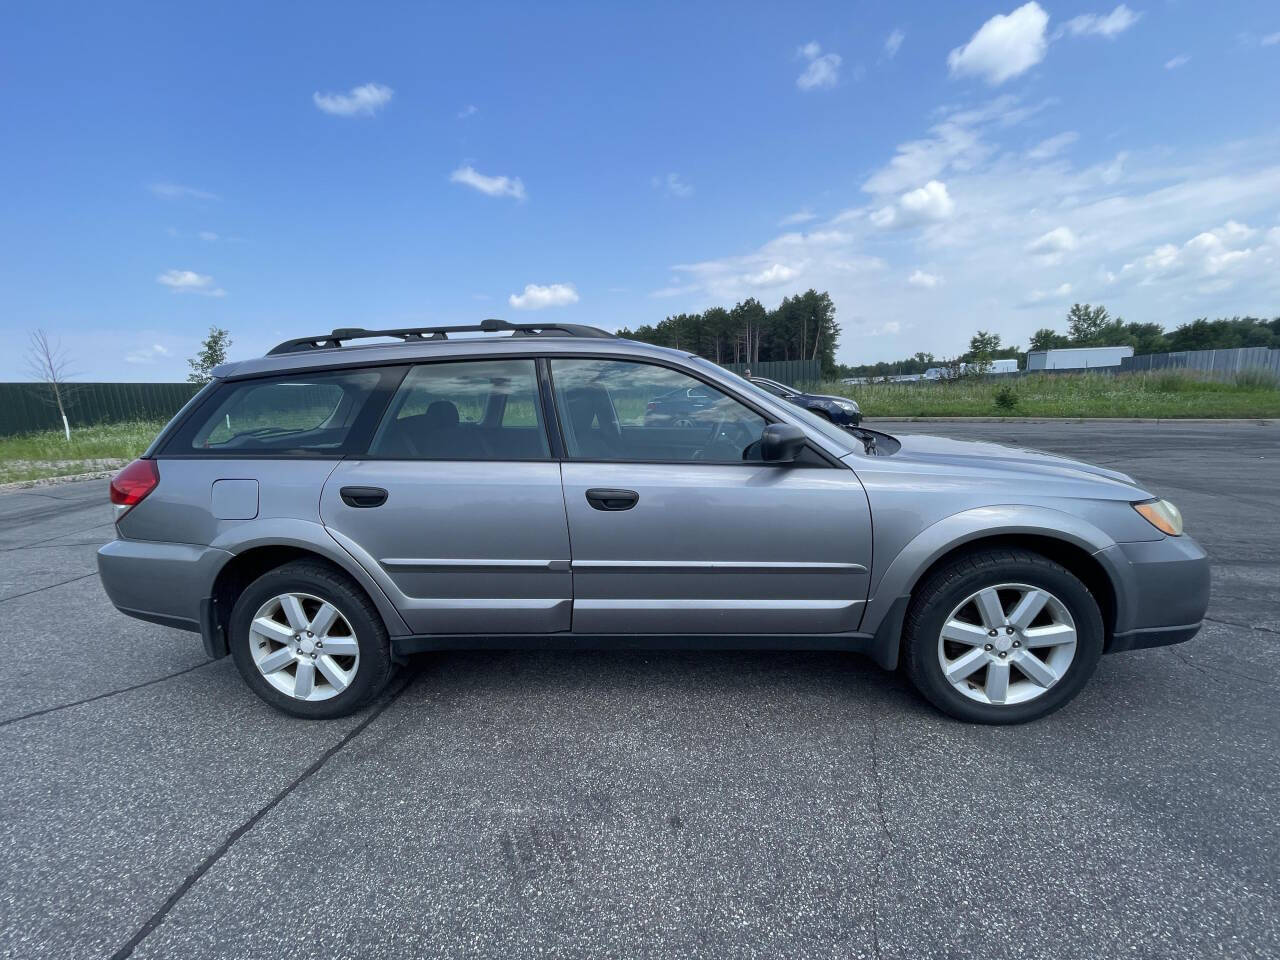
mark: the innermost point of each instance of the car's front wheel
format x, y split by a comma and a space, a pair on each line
309, 641
1002, 636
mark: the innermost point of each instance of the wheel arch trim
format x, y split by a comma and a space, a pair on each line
882, 613
309, 537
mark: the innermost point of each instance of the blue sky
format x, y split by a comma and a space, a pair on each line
938, 167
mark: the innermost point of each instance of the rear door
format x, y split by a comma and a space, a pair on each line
457, 507
674, 532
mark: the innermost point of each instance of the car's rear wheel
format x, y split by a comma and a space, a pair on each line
1002, 636
308, 640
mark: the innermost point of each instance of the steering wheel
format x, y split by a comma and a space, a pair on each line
727, 433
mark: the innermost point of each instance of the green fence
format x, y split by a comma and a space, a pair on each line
795, 373
29, 407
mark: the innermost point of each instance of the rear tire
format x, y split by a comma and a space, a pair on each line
278, 629
975, 650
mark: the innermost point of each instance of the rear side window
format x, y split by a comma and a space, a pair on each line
465, 410
316, 413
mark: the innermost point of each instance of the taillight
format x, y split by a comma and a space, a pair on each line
131, 485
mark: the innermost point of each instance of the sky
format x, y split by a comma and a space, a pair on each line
938, 167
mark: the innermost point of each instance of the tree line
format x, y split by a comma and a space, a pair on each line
1092, 326
802, 327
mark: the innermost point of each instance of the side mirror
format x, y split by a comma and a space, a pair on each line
781, 442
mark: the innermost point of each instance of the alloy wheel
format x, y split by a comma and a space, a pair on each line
1007, 644
303, 646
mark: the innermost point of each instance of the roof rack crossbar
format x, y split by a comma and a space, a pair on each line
341, 335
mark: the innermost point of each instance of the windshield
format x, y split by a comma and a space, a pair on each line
810, 420
774, 387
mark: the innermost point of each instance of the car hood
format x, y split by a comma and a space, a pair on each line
828, 398
943, 451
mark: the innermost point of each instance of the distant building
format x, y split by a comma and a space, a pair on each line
1077, 358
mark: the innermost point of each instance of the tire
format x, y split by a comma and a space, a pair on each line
1005, 686
339, 683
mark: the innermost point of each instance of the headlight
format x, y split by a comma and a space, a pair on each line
848, 406
1162, 515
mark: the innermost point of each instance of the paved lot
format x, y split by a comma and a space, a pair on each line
692, 805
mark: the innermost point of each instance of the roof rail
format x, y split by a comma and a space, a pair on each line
331, 341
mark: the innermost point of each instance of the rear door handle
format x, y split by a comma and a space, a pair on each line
608, 499
363, 496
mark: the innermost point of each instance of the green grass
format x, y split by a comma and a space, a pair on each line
32, 456
1169, 394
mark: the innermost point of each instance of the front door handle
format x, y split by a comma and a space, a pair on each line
608, 499
363, 496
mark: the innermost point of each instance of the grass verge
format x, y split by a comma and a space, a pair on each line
1168, 394
35, 456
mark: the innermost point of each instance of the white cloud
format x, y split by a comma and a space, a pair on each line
492, 186
146, 355
208, 235
1004, 47
176, 191
930, 202
1060, 292
954, 143
919, 278
188, 281
1271, 39
800, 216
772, 276
823, 69
365, 100
1053, 145
673, 185
535, 297
1109, 25
1181, 60
1054, 245
1213, 259
893, 42
827, 253
884, 217
470, 110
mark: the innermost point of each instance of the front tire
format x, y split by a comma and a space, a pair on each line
1002, 636
309, 642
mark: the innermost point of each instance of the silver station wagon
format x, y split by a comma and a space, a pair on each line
327, 510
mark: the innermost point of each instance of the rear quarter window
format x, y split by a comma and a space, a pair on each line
324, 413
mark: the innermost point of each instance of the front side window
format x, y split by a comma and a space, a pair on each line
626, 410
465, 410
295, 414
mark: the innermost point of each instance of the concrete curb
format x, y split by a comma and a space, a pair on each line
1263, 422
50, 481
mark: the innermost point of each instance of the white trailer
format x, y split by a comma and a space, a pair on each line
1077, 358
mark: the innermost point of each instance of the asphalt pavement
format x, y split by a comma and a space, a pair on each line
652, 805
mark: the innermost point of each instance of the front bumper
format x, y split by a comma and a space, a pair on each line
1162, 591
160, 582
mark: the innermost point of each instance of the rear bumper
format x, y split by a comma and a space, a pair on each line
159, 582
1162, 589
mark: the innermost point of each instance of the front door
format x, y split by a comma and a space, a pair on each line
674, 532
457, 508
